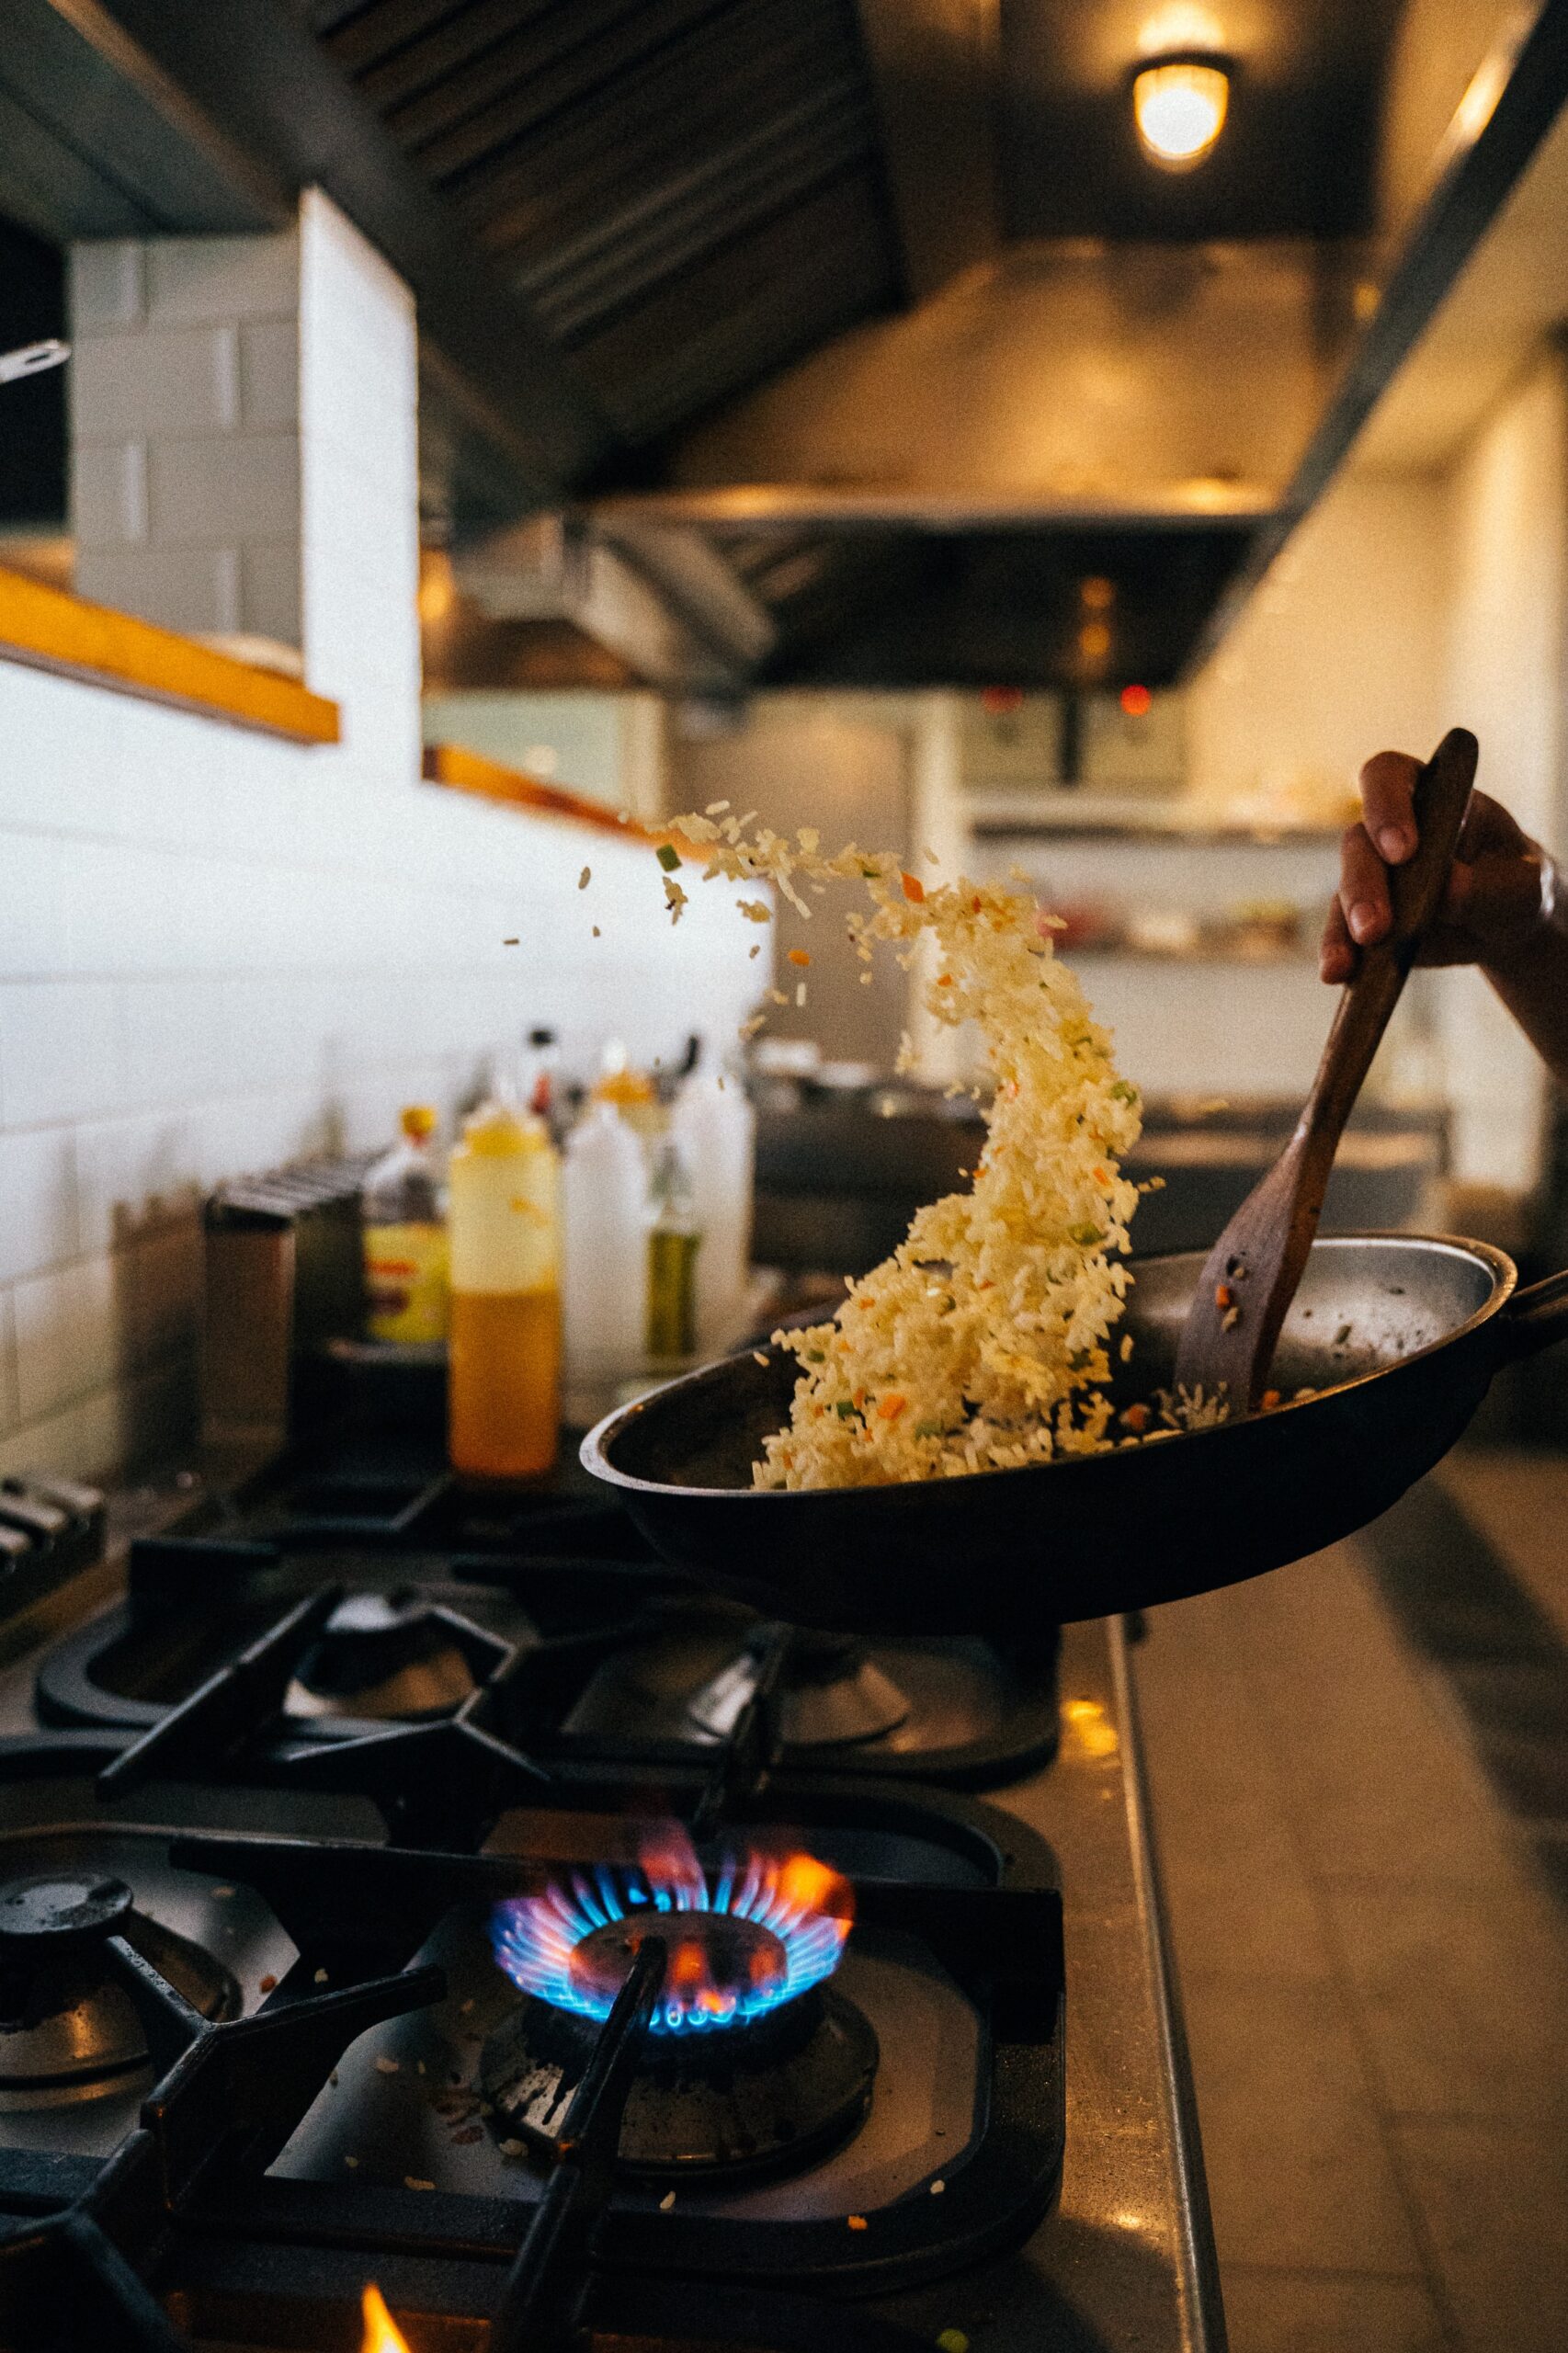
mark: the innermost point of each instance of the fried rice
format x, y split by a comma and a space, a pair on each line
983, 1342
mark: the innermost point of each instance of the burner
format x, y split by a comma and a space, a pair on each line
380, 1656
831, 1695
762, 1935
68, 2032
750, 2065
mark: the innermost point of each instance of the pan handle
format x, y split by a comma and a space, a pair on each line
1533, 1319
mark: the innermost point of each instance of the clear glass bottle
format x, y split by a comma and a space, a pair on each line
674, 1240
504, 1229
405, 1235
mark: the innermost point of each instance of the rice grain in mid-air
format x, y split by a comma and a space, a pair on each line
982, 1344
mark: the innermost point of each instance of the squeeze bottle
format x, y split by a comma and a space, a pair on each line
715, 1128
504, 1228
605, 1243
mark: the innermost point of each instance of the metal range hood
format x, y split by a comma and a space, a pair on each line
829, 341
927, 498
921, 500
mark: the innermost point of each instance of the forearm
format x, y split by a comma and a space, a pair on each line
1531, 978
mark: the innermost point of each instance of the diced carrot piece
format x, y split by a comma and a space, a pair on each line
892, 1407
799, 956
1222, 1295
1270, 1399
914, 889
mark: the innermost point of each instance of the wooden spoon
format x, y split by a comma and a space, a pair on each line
1246, 1287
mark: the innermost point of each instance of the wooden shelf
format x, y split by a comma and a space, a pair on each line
995, 826
46, 628
465, 771
1113, 953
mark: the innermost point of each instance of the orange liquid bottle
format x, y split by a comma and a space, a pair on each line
504, 1228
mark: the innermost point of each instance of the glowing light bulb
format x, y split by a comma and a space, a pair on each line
1179, 105
382, 2334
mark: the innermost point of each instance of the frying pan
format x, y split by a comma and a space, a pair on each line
1399, 1334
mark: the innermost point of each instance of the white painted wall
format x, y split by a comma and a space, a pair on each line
1404, 605
1340, 652
1503, 675
218, 950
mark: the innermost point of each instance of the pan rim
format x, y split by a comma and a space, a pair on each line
1504, 1275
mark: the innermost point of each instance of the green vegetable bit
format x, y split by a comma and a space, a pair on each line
669, 857
1086, 1236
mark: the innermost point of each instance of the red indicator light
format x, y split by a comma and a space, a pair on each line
1135, 700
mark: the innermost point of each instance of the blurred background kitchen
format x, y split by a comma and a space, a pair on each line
1063, 437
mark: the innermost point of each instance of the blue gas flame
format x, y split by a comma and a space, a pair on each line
534, 1936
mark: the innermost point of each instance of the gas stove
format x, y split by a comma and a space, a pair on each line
357, 1588
412, 1890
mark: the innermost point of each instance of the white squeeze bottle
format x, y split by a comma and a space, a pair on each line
604, 1287
716, 1129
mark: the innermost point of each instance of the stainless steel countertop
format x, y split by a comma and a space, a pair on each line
1125, 2263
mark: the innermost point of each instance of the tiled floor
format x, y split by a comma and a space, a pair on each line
1374, 1969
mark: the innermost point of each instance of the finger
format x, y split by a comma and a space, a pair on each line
1336, 953
1388, 787
1363, 888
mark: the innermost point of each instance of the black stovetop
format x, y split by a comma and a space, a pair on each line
353, 1587
255, 2049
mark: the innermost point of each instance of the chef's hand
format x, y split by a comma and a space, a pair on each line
1502, 890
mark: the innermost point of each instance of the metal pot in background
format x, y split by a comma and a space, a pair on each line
840, 1175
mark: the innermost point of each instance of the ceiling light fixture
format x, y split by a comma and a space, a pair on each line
1179, 104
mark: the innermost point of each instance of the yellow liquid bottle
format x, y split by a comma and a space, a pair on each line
504, 1230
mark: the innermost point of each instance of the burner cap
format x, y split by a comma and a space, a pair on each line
715, 1957
68, 2030
831, 1695
380, 1656
50, 1914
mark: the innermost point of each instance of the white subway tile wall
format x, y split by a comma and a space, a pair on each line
185, 492
218, 950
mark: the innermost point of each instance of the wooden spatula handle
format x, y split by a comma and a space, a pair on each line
1416, 893
1249, 1277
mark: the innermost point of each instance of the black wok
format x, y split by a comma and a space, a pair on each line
1399, 1334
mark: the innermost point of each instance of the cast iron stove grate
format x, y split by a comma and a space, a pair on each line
185, 2216
542, 1620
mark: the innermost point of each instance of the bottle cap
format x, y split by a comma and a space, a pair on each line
418, 1121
